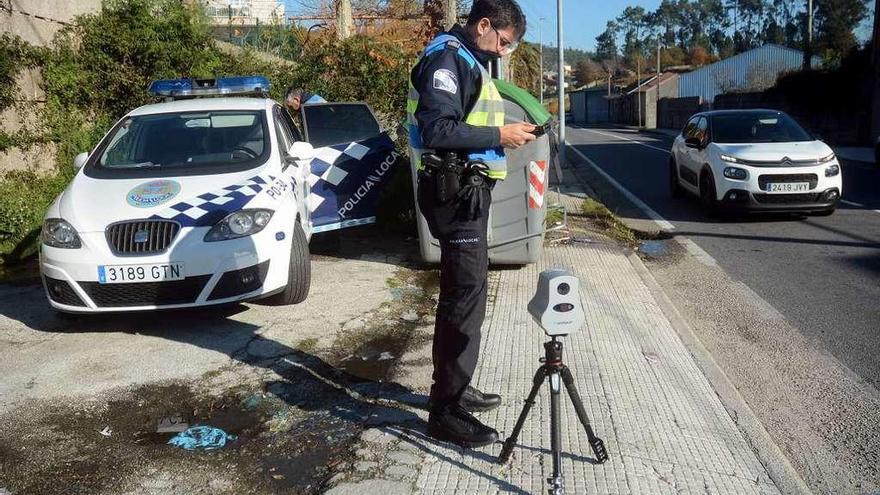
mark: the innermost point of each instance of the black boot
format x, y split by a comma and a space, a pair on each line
475, 401
454, 424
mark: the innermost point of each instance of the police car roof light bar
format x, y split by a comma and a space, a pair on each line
221, 86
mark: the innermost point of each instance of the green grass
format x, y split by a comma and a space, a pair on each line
610, 224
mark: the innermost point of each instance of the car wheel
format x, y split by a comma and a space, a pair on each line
707, 193
299, 275
675, 189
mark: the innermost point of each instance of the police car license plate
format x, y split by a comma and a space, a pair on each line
120, 274
787, 187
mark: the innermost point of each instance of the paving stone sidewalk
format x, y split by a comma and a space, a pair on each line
664, 427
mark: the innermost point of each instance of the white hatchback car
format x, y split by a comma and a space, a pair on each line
202, 201
754, 160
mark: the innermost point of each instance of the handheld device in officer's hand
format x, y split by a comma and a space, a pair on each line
556, 306
539, 130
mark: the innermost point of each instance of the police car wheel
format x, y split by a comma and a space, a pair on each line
299, 271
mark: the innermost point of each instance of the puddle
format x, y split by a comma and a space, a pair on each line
285, 443
654, 249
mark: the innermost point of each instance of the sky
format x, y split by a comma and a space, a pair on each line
583, 19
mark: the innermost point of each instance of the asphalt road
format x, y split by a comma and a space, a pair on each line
822, 273
791, 312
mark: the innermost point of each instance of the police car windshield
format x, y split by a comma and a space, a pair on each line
191, 140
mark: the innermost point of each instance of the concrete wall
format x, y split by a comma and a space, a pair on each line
36, 22
597, 107
668, 89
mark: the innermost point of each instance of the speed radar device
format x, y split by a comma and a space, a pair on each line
556, 306
557, 309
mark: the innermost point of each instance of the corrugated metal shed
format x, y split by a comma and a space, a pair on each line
753, 70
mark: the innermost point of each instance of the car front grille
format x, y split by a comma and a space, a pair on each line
786, 198
141, 236
813, 179
146, 293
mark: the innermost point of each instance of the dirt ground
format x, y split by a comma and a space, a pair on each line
82, 397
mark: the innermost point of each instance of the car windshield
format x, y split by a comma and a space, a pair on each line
757, 127
190, 140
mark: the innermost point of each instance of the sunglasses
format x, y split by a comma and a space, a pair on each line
506, 45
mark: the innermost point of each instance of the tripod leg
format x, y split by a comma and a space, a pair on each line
530, 401
595, 442
555, 482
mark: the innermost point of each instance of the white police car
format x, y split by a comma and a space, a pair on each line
751, 160
201, 201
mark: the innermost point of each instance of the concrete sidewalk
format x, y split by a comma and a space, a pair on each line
664, 427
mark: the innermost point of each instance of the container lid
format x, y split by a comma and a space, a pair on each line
521, 97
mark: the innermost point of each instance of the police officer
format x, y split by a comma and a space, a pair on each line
457, 138
295, 98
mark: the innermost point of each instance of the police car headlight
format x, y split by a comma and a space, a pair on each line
242, 223
60, 234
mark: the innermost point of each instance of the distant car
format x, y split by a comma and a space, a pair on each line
754, 160
201, 201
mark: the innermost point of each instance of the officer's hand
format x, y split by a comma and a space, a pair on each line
515, 135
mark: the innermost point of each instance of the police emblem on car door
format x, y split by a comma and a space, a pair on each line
354, 160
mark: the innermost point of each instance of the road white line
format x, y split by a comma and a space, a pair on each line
852, 203
628, 139
660, 221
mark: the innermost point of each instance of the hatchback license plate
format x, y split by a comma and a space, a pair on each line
121, 274
786, 187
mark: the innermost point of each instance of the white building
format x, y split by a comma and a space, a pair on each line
245, 12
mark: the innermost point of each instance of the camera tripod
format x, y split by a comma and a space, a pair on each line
553, 368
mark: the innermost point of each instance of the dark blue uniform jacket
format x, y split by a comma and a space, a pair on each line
441, 112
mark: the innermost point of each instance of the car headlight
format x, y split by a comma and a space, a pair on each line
728, 158
827, 159
242, 223
735, 173
832, 170
60, 234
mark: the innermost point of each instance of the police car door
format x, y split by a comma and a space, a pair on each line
354, 160
297, 171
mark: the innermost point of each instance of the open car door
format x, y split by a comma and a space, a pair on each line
354, 160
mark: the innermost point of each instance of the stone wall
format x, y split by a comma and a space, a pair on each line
36, 22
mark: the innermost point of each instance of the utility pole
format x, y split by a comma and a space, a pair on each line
657, 103
808, 49
344, 21
450, 14
541, 59
560, 83
639, 88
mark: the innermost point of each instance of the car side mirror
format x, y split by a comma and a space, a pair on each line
693, 142
301, 150
80, 160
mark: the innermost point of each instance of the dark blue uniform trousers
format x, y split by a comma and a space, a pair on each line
464, 264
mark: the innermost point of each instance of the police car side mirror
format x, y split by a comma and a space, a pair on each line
80, 160
301, 150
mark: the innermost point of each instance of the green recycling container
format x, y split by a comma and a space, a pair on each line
516, 219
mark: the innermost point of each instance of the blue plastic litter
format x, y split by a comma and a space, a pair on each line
201, 437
